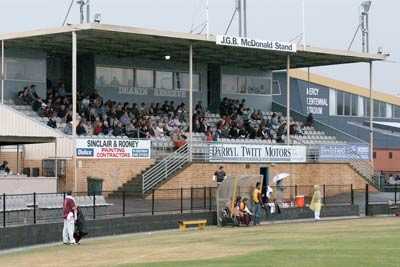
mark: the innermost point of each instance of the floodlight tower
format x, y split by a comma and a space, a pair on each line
364, 22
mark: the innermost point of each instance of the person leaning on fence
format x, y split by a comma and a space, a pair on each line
257, 203
315, 204
80, 225
70, 216
219, 175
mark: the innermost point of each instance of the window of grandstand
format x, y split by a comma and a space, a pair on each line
164, 80
25, 69
346, 104
144, 78
182, 81
276, 87
396, 112
256, 85
230, 84
113, 77
379, 109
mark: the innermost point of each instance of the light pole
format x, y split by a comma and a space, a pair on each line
365, 6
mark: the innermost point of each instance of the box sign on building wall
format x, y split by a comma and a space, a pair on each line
255, 43
344, 152
104, 148
222, 152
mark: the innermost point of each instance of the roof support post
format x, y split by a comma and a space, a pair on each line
288, 100
74, 119
2, 71
191, 101
371, 116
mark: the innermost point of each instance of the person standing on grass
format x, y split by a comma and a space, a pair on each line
70, 216
257, 203
315, 204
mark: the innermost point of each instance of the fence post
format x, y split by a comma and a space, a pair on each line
123, 203
4, 210
205, 197
352, 194
191, 198
324, 188
94, 205
64, 195
181, 200
295, 191
152, 202
34, 208
210, 198
395, 194
366, 200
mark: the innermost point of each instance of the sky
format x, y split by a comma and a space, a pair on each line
328, 23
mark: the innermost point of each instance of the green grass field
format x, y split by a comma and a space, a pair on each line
360, 242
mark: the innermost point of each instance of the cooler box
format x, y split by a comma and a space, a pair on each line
300, 201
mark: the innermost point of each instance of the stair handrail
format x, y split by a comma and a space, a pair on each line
362, 165
161, 170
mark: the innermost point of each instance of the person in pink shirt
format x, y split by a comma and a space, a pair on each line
69, 214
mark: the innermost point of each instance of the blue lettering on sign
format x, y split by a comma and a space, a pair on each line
140, 153
85, 152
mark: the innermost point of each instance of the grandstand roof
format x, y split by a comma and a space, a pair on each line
155, 44
344, 86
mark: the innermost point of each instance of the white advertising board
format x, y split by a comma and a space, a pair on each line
221, 152
109, 148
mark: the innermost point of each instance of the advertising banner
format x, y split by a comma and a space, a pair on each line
344, 152
109, 148
222, 152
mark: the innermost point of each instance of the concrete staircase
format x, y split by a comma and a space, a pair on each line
365, 169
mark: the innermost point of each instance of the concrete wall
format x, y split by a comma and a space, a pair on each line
15, 237
27, 185
200, 175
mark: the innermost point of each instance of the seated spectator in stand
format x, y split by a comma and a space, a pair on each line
199, 109
52, 122
33, 93
209, 135
118, 131
61, 89
98, 129
81, 129
4, 167
310, 120
179, 141
106, 128
68, 128
159, 130
246, 213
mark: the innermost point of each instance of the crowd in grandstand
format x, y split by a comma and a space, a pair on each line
154, 120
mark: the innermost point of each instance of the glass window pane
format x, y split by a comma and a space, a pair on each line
164, 80
230, 84
382, 109
366, 107
276, 87
396, 112
144, 78
114, 77
242, 84
25, 69
258, 85
347, 103
376, 108
354, 105
182, 81
339, 104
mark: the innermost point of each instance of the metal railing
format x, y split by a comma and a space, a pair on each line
166, 167
37, 208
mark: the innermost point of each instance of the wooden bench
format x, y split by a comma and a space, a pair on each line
200, 224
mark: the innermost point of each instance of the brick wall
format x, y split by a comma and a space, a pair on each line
200, 175
113, 172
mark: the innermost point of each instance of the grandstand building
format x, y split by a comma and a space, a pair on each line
133, 65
